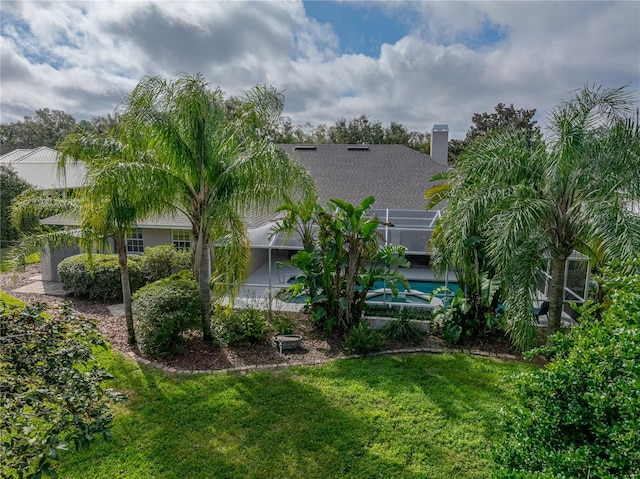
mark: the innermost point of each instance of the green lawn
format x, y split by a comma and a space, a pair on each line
4, 259
422, 416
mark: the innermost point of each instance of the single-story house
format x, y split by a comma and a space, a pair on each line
397, 176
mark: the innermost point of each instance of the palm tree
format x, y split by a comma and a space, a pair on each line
523, 201
212, 167
105, 207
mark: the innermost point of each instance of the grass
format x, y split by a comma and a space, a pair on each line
5, 265
416, 416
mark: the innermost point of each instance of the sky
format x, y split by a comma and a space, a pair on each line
416, 63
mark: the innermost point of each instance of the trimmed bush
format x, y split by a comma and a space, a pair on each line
162, 261
242, 327
98, 276
163, 310
580, 416
363, 340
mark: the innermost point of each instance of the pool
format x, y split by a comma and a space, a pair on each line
418, 294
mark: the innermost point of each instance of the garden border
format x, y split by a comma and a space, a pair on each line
276, 366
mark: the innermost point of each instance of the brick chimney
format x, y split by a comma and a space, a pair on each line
440, 143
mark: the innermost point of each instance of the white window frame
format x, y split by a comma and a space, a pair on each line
135, 242
181, 239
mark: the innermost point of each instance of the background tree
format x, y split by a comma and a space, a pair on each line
359, 130
534, 199
45, 128
211, 166
11, 185
504, 119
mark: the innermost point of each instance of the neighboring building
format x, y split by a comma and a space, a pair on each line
39, 168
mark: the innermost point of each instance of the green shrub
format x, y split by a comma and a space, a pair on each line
282, 323
98, 276
403, 330
52, 391
363, 340
162, 261
580, 416
241, 327
163, 310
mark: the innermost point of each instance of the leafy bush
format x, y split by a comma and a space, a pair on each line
163, 310
282, 323
362, 340
98, 276
241, 327
11, 185
51, 391
580, 416
463, 318
403, 330
162, 261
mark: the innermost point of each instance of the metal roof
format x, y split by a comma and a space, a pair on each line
39, 168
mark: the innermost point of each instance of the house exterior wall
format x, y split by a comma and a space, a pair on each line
155, 237
49, 261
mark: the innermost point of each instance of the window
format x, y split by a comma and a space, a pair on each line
181, 239
134, 242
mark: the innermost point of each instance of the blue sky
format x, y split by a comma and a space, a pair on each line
414, 62
362, 27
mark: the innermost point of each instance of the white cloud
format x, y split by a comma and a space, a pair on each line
83, 57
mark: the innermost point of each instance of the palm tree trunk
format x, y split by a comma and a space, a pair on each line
126, 287
205, 290
556, 294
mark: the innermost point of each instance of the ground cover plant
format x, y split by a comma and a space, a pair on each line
409, 417
51, 387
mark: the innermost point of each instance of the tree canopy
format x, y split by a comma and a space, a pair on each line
503, 119
44, 128
212, 162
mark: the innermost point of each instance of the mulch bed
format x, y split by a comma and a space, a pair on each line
316, 346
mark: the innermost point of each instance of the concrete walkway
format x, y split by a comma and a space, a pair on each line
38, 286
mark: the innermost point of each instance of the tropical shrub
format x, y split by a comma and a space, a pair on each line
97, 276
242, 326
162, 261
51, 392
341, 260
464, 318
580, 416
163, 310
363, 340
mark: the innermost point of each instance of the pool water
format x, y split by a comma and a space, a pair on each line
419, 294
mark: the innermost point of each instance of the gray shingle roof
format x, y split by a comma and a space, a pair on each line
395, 175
